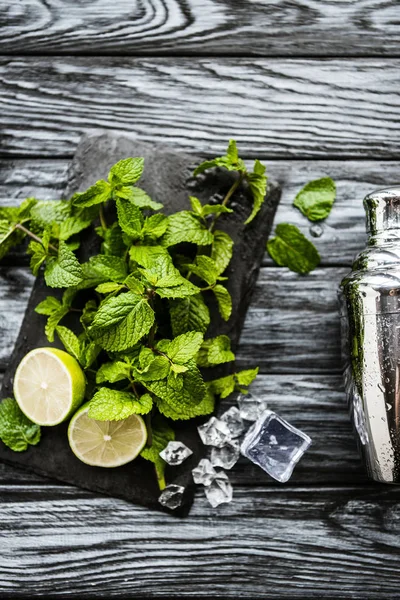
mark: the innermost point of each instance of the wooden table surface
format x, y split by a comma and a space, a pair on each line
312, 87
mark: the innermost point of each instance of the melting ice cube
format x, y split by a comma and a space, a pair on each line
204, 473
214, 432
275, 445
171, 497
251, 407
219, 491
175, 453
227, 456
234, 421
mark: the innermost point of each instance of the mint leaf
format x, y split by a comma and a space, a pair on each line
215, 351
126, 172
52, 308
16, 430
185, 412
189, 314
89, 312
246, 377
24, 212
48, 306
46, 213
72, 226
130, 218
184, 347
179, 291
207, 209
184, 226
205, 268
196, 205
290, 248
122, 321
109, 287
224, 301
157, 369
138, 197
113, 372
113, 240
222, 250
89, 354
113, 405
69, 341
134, 284
9, 237
223, 387
160, 436
230, 161
38, 256
109, 268
148, 256
154, 226
316, 198
257, 181
63, 271
98, 193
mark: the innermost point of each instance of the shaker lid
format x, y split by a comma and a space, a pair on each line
383, 209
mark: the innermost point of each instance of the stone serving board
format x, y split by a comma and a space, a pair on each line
168, 179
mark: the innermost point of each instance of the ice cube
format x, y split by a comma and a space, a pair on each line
171, 497
234, 421
275, 445
227, 456
204, 473
214, 432
251, 407
219, 491
175, 453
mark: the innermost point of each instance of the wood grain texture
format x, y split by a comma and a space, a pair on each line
214, 27
292, 325
332, 542
277, 108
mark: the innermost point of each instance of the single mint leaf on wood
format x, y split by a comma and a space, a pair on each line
189, 314
316, 198
98, 193
222, 250
114, 405
230, 161
224, 301
184, 226
290, 248
246, 377
110, 268
257, 181
160, 436
16, 430
130, 218
113, 372
184, 347
126, 172
138, 197
63, 271
69, 341
122, 321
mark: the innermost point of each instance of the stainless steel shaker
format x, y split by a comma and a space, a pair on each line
369, 299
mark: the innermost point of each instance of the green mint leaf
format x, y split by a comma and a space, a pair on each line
224, 301
98, 193
113, 240
134, 284
184, 226
72, 226
157, 369
9, 237
316, 198
122, 321
52, 308
113, 371
290, 248
223, 387
179, 291
222, 250
24, 212
9, 214
215, 351
178, 369
148, 256
46, 213
48, 306
138, 197
154, 226
109, 287
189, 314
215, 209
205, 268
184, 347
246, 377
89, 312
92, 276
89, 354
63, 271
113, 405
38, 256
16, 430
110, 268
126, 172
196, 206
230, 161
190, 411
257, 181
161, 435
130, 218
69, 341
162, 272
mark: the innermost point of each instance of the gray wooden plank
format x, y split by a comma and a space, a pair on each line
312, 27
331, 542
276, 108
292, 325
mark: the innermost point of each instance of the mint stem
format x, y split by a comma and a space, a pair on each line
33, 236
102, 217
161, 480
228, 196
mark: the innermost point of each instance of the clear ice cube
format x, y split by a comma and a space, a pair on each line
214, 432
275, 445
204, 473
227, 456
172, 495
251, 407
175, 453
234, 421
219, 491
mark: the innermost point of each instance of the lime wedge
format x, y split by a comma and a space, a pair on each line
49, 385
106, 443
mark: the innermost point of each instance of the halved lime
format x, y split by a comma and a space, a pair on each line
49, 385
106, 443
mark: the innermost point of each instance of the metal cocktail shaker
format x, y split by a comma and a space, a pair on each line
370, 317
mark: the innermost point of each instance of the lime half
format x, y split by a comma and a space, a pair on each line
106, 443
49, 385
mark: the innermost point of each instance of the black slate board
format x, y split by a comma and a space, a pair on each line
168, 179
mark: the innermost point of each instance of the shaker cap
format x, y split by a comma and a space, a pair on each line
383, 209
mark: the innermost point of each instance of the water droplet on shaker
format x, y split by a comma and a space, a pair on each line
316, 231
388, 406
